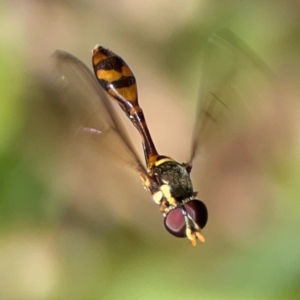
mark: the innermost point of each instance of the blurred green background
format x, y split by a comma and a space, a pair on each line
59, 239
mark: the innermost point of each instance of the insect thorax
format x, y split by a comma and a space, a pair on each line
173, 179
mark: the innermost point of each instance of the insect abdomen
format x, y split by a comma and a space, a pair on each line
114, 75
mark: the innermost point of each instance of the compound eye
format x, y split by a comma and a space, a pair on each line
198, 212
175, 223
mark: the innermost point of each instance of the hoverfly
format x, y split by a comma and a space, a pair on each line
166, 180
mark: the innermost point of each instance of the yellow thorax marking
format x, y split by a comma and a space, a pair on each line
163, 160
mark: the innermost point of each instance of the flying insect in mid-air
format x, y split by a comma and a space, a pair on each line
167, 181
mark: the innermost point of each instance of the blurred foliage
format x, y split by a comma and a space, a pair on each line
60, 241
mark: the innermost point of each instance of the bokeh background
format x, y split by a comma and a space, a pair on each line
68, 231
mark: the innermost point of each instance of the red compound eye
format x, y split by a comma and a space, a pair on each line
174, 221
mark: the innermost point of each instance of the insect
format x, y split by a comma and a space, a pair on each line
166, 180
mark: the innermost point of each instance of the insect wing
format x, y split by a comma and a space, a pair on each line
231, 77
91, 110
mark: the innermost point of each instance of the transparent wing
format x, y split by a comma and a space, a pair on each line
90, 111
231, 77
78, 148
